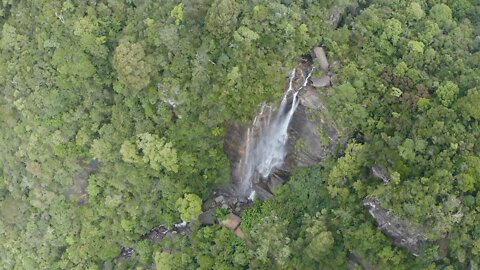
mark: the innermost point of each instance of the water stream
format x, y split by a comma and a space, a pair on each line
266, 141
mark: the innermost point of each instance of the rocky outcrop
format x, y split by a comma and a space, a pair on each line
380, 172
321, 63
321, 56
223, 198
322, 81
162, 231
399, 231
80, 182
157, 234
312, 135
313, 139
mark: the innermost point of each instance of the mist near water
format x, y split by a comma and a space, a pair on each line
266, 142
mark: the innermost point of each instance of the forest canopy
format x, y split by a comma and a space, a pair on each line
113, 114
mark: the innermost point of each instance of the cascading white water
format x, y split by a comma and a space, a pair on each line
266, 142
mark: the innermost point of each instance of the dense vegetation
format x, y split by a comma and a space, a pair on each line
112, 115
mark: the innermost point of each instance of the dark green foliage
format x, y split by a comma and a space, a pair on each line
112, 115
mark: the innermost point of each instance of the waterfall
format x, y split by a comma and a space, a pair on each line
266, 142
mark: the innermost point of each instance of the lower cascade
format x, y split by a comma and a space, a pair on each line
265, 146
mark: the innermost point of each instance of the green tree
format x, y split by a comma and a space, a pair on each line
447, 93
190, 207
221, 19
132, 65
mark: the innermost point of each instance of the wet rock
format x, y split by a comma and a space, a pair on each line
399, 231
263, 191
321, 82
231, 222
126, 252
220, 199
277, 179
320, 54
381, 173
207, 217
162, 231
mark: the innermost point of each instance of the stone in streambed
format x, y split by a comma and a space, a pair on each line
321, 82
231, 222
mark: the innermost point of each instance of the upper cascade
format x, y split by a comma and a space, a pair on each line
265, 146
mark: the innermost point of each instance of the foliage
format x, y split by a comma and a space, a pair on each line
112, 112
189, 207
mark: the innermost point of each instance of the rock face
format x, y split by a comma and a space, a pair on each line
313, 139
234, 146
402, 234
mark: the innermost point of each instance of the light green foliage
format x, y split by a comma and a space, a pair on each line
441, 14
272, 245
447, 93
321, 240
344, 172
416, 46
70, 61
129, 152
177, 13
221, 18
406, 150
112, 114
393, 30
163, 261
152, 150
190, 207
415, 11
132, 66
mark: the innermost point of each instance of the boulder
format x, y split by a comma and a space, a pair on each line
320, 54
231, 222
239, 233
207, 218
321, 82
277, 178
401, 232
220, 199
